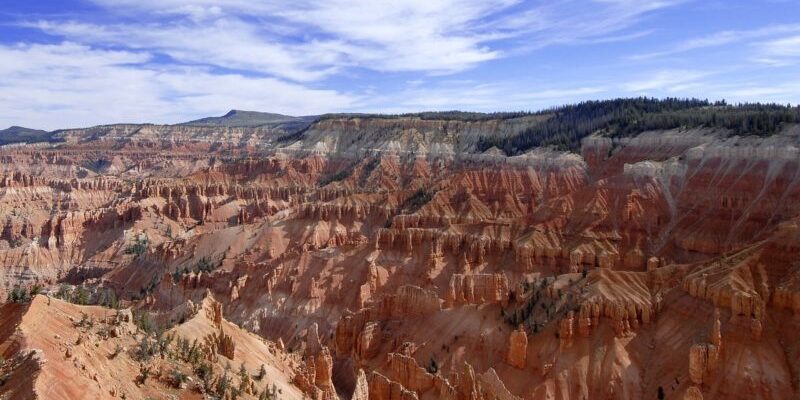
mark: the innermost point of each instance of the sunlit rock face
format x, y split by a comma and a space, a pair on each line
389, 259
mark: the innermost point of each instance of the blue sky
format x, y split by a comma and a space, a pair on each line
71, 63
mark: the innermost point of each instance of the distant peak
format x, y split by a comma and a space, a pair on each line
17, 128
240, 118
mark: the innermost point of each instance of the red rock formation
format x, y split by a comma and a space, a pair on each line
381, 388
314, 376
404, 369
409, 301
477, 289
613, 261
518, 348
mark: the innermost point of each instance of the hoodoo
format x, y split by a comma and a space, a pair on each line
426, 256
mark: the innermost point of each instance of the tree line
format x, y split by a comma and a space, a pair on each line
569, 124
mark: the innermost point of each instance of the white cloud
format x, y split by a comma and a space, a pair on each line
324, 36
184, 59
576, 22
720, 39
665, 80
308, 40
227, 42
469, 95
70, 85
780, 52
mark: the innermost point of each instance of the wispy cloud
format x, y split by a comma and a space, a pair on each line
471, 95
70, 85
322, 38
720, 39
308, 40
666, 80
578, 22
780, 52
172, 60
226, 42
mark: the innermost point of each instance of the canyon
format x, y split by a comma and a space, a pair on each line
373, 257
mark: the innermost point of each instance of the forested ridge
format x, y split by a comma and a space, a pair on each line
629, 117
563, 127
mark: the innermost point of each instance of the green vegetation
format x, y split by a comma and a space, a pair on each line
151, 286
177, 377
144, 373
22, 295
270, 393
80, 296
336, 177
103, 296
223, 384
153, 342
433, 366
139, 247
261, 373
107, 297
367, 169
144, 321
204, 264
145, 350
18, 134
417, 200
567, 125
534, 309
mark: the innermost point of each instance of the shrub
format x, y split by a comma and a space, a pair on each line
261, 373
416, 201
139, 247
433, 366
177, 377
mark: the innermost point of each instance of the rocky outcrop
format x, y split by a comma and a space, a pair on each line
477, 289
382, 388
717, 290
361, 391
693, 393
494, 386
785, 297
477, 247
368, 342
518, 348
408, 302
223, 344
566, 330
359, 332
313, 343
703, 359
625, 317
349, 328
313, 376
404, 369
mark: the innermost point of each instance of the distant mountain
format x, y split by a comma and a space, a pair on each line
19, 134
239, 118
